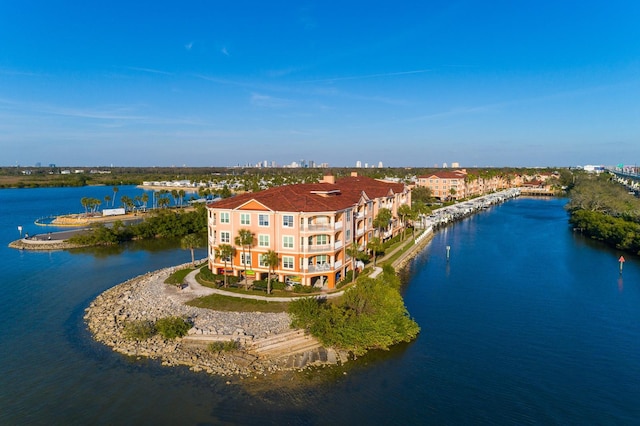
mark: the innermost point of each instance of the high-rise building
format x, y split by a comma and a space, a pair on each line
358, 164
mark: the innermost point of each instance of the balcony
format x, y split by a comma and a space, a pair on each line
338, 225
317, 227
360, 232
324, 267
315, 248
337, 245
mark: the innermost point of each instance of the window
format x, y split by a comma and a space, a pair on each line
287, 241
224, 217
322, 240
225, 237
263, 261
348, 214
245, 219
263, 240
287, 262
263, 220
287, 221
348, 235
245, 259
322, 259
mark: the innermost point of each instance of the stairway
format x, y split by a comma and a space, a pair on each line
284, 344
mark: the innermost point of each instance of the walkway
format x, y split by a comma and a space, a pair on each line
195, 289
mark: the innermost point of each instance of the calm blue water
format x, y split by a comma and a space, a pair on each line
526, 323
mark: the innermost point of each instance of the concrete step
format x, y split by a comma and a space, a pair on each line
288, 347
281, 345
277, 339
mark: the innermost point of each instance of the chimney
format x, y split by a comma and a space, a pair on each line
329, 178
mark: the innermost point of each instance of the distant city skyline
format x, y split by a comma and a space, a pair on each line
409, 84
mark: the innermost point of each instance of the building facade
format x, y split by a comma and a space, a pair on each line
310, 226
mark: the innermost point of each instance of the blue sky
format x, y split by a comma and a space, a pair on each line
408, 83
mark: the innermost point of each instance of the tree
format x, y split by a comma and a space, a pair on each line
421, 193
375, 245
127, 202
225, 252
115, 192
191, 242
144, 198
245, 239
353, 251
405, 212
382, 219
107, 198
272, 261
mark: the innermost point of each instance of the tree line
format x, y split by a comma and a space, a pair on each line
159, 224
604, 210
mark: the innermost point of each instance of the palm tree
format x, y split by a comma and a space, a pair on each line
245, 239
225, 252
127, 202
404, 211
191, 242
382, 219
85, 203
107, 198
144, 198
375, 245
272, 260
353, 251
115, 192
181, 194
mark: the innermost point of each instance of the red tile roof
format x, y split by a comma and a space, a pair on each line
314, 197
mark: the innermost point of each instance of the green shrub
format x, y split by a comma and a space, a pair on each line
277, 285
371, 315
139, 329
172, 327
207, 275
229, 345
299, 288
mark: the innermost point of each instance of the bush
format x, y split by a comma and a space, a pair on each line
139, 330
229, 345
172, 327
299, 288
371, 315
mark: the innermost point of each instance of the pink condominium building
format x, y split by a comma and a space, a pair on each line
310, 227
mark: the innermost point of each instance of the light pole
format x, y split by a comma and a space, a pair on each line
20, 230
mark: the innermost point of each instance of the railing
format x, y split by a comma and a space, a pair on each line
318, 247
338, 225
337, 264
337, 245
320, 268
360, 232
321, 227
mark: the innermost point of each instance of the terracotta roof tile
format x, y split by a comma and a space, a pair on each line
312, 197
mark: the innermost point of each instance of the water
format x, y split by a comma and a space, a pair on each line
526, 323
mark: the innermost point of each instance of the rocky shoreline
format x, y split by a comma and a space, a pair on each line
147, 297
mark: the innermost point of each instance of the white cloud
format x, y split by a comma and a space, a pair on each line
224, 51
267, 101
189, 45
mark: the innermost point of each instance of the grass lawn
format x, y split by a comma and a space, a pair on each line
224, 303
178, 276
